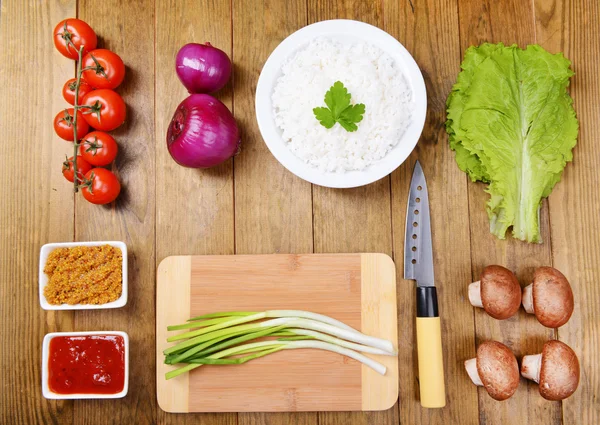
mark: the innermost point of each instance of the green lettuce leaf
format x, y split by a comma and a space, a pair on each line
512, 124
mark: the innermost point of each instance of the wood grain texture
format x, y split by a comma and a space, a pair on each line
379, 317
509, 22
357, 289
131, 218
573, 27
352, 220
36, 205
273, 208
173, 307
438, 55
194, 212
166, 209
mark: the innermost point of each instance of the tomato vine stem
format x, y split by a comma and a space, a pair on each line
76, 110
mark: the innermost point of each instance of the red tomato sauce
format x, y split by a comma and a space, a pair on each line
93, 364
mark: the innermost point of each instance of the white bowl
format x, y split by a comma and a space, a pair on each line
345, 31
43, 278
46, 353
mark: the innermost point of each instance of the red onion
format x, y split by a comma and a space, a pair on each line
202, 132
202, 68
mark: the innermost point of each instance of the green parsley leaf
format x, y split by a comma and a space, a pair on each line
324, 116
348, 125
354, 112
339, 109
337, 99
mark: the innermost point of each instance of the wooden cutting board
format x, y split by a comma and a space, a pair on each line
359, 289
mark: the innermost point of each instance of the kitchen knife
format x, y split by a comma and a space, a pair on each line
418, 265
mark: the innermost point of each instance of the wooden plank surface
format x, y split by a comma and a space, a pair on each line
253, 205
36, 205
352, 220
438, 55
172, 395
194, 209
358, 289
573, 28
509, 22
131, 219
273, 208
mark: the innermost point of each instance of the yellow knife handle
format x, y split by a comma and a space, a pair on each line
429, 346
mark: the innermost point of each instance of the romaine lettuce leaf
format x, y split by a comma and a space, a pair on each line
512, 124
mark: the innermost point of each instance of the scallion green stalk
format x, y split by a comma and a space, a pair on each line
224, 338
308, 334
198, 324
292, 322
223, 314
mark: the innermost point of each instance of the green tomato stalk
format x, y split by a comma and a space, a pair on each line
75, 110
76, 107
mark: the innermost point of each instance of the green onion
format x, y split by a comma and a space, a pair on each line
218, 338
200, 349
234, 331
181, 370
241, 360
295, 338
223, 314
275, 314
292, 322
198, 324
308, 334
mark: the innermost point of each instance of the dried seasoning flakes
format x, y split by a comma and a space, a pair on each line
84, 275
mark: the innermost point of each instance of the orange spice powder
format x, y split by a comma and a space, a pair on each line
84, 275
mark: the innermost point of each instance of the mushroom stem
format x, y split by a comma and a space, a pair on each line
528, 299
531, 367
475, 294
471, 366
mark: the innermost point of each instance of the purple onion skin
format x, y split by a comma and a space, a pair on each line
202, 68
202, 132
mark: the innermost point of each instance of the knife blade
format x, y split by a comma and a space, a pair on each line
418, 252
418, 265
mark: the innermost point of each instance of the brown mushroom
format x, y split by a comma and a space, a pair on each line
556, 370
497, 291
496, 369
549, 297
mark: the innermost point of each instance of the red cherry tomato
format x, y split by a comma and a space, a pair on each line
100, 186
63, 125
98, 148
106, 109
70, 34
68, 90
82, 168
107, 69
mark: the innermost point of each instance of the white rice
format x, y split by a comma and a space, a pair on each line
371, 77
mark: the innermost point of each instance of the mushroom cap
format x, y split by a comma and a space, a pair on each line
498, 369
559, 373
552, 297
500, 292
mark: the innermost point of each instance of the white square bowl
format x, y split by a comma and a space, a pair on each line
43, 278
45, 372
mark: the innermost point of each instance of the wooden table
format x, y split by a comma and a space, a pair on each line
253, 205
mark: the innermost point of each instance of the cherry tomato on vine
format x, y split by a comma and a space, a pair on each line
82, 168
107, 69
68, 90
63, 125
100, 186
70, 34
98, 148
106, 109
